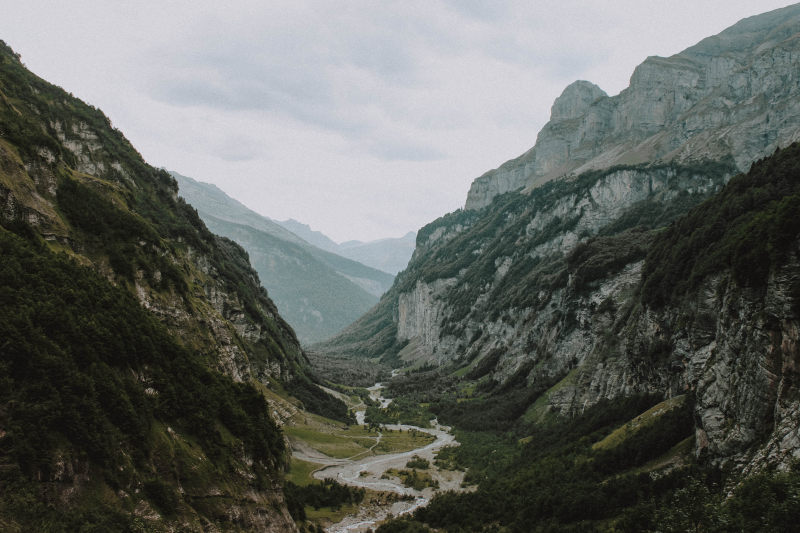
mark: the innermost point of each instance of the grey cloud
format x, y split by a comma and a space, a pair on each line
403, 150
238, 149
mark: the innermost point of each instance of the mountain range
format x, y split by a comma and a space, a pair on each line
611, 324
389, 255
317, 291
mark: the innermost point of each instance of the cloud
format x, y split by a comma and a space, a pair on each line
403, 150
364, 73
320, 110
237, 148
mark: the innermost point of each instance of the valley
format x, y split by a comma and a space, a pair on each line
378, 457
605, 337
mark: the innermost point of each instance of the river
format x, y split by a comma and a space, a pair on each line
366, 473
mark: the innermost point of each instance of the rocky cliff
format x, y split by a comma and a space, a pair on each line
554, 290
734, 95
641, 273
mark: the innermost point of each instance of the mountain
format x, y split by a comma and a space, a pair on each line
317, 238
316, 291
388, 255
624, 255
733, 95
137, 347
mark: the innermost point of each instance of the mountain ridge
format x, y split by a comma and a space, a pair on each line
691, 106
389, 254
138, 347
536, 290
318, 291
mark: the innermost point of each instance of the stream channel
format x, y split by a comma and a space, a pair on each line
366, 472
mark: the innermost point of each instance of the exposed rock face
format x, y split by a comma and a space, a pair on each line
546, 288
420, 311
735, 95
736, 349
425, 309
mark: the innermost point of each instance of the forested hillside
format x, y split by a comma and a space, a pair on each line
135, 343
316, 291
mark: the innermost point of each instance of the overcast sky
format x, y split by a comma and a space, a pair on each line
363, 119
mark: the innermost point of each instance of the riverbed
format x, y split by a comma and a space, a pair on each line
366, 473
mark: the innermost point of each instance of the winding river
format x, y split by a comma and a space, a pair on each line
366, 472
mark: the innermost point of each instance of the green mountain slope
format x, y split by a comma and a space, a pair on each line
705, 339
318, 292
135, 343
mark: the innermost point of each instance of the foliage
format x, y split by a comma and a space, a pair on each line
402, 525
316, 400
77, 357
328, 493
130, 242
412, 478
749, 227
418, 462
555, 479
401, 410
601, 257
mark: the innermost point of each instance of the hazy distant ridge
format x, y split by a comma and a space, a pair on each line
389, 255
318, 292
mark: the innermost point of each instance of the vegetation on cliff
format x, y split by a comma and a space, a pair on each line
88, 380
625, 464
136, 345
748, 227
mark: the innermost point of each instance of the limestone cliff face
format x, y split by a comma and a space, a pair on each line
734, 95
735, 349
543, 228
419, 312
545, 289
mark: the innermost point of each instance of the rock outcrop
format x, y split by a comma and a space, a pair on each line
735, 95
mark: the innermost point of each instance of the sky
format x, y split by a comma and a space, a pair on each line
364, 119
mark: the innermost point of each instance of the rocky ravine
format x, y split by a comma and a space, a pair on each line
732, 95
565, 315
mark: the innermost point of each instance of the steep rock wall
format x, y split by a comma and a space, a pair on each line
731, 96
